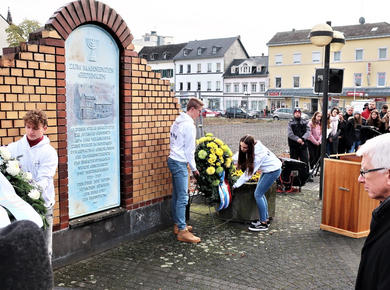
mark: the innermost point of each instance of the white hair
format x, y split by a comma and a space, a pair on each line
378, 149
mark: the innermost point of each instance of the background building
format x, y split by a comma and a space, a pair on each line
364, 58
151, 39
160, 59
200, 66
245, 83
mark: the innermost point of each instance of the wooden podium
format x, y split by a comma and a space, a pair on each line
346, 207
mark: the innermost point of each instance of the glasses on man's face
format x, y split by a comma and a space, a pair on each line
363, 172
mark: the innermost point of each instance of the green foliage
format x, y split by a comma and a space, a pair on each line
211, 156
19, 33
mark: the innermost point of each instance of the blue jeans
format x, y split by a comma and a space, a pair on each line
355, 145
179, 202
265, 182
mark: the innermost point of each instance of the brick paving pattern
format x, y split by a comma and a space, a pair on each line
293, 254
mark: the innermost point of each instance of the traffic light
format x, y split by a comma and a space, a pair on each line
335, 80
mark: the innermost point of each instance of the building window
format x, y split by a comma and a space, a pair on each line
181, 69
233, 69
218, 66
382, 53
262, 87
296, 103
199, 50
236, 88
357, 78
180, 86
209, 85
297, 57
228, 103
244, 88
185, 52
254, 105
359, 54
296, 82
188, 68
188, 86
199, 67
218, 85
209, 67
165, 55
278, 59
253, 87
381, 79
199, 88
337, 56
278, 82
228, 87
316, 56
214, 50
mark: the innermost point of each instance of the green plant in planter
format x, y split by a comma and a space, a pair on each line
214, 162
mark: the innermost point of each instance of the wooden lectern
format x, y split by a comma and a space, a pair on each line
346, 207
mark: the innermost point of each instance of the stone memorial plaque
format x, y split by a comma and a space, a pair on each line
92, 108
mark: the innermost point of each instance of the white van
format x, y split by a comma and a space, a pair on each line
359, 105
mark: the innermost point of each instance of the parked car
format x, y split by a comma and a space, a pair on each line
235, 112
257, 114
210, 113
286, 113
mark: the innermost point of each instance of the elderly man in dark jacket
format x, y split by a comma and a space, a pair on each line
374, 265
298, 132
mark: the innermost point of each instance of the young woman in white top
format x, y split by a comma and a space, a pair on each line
254, 156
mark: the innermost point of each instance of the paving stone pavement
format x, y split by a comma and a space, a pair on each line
293, 254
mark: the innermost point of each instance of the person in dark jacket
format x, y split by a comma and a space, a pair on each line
298, 132
342, 136
353, 134
348, 113
386, 123
373, 126
383, 111
374, 265
24, 260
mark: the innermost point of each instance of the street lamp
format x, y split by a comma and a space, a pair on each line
323, 35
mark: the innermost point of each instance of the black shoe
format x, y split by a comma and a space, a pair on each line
257, 222
258, 228
310, 179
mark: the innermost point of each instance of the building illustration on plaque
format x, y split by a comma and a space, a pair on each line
92, 102
91, 109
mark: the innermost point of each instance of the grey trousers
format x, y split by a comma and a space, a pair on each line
48, 233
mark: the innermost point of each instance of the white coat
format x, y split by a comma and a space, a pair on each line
41, 161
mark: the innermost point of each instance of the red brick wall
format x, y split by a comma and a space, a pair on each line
33, 76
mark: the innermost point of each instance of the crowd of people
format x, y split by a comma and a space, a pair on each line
344, 132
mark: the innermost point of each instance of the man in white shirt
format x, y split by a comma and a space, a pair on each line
38, 157
182, 149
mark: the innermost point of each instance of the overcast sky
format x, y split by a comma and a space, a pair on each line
255, 21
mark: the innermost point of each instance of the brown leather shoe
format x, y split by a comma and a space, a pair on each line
186, 236
176, 229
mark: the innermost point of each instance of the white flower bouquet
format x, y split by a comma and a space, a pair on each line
22, 183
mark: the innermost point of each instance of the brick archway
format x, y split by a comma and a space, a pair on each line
65, 20
77, 13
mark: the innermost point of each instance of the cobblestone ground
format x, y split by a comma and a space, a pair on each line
272, 134
293, 254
